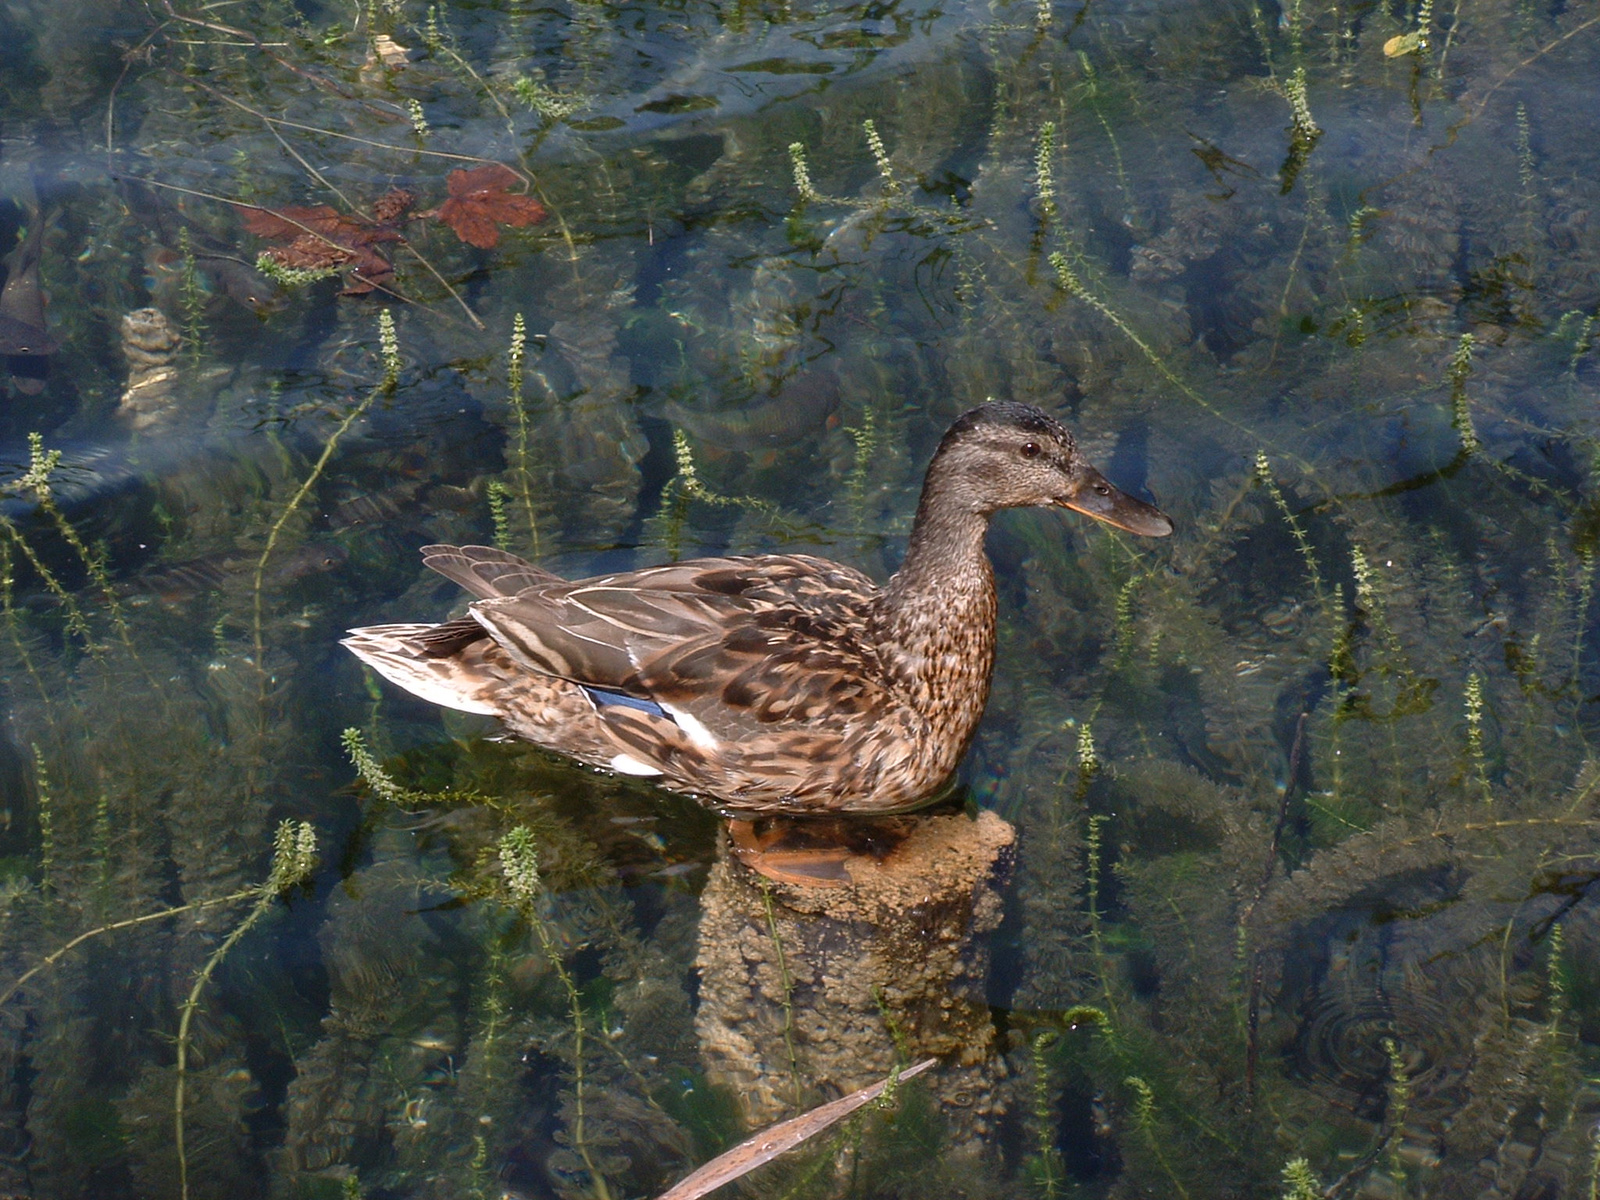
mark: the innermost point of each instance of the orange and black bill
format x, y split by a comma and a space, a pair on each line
1097, 498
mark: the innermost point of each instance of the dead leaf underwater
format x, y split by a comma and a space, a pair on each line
479, 203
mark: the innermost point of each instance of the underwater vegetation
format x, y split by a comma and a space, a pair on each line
1273, 870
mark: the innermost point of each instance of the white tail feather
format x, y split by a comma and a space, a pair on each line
388, 651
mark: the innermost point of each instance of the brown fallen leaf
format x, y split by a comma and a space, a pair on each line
479, 204
310, 253
392, 205
289, 223
786, 1135
321, 237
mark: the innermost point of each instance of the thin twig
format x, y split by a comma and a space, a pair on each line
127, 65
376, 145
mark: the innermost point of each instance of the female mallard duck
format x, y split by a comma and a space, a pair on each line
779, 683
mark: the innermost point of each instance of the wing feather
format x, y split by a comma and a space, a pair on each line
485, 571
738, 644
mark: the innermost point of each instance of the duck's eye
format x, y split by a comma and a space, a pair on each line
1103, 489
1030, 449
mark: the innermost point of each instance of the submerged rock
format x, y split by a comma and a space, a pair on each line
150, 343
803, 407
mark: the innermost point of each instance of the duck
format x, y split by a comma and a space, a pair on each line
767, 685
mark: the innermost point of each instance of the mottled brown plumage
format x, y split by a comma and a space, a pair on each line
779, 683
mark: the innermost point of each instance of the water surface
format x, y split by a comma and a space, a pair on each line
1286, 882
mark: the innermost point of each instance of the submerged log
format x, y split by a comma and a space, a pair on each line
897, 954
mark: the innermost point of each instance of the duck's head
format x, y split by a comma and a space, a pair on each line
1009, 455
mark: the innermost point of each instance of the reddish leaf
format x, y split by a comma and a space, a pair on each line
321, 237
310, 253
491, 177
392, 205
365, 269
288, 224
479, 203
370, 270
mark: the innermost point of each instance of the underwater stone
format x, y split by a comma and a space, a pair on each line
150, 343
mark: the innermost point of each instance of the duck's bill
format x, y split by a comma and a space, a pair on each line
1097, 498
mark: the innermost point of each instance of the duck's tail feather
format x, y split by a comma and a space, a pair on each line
402, 655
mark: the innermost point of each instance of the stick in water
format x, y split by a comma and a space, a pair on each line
764, 1147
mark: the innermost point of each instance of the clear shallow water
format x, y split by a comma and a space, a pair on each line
1303, 800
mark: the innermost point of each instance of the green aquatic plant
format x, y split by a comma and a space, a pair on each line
519, 861
1460, 406
92, 559
14, 626
292, 277
496, 495
290, 511
373, 774
686, 487
1093, 845
866, 438
1410, 691
1304, 132
1144, 1105
1126, 625
802, 173
1092, 94
1044, 184
1089, 767
1395, 1113
1072, 285
880, 156
1045, 1165
1582, 340
546, 101
35, 480
1302, 543
1556, 974
1526, 163
294, 858
1473, 705
419, 119
786, 984
1300, 1182
44, 815
389, 351
522, 460
191, 297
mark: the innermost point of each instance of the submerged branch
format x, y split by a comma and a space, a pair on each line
781, 1138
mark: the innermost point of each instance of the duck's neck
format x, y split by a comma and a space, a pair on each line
936, 616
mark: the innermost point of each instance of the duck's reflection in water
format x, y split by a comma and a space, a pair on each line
886, 957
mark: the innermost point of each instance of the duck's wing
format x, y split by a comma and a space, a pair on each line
736, 643
485, 571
